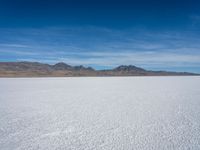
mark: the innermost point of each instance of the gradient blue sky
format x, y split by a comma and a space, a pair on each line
153, 34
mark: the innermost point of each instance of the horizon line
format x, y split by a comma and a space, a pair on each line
86, 66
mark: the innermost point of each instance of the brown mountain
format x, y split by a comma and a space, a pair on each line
35, 69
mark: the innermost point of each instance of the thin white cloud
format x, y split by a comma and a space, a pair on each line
113, 59
13, 45
94, 46
19, 52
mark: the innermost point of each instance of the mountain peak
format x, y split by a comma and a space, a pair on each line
62, 66
128, 68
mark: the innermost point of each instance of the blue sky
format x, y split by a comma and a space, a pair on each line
157, 35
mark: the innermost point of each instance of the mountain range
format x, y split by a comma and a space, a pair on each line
36, 69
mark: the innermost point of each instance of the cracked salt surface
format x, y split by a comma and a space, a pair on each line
100, 113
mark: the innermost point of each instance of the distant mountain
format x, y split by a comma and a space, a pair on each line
128, 68
36, 69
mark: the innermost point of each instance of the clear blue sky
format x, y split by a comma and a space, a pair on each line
154, 34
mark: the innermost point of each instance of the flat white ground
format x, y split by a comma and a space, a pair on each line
100, 113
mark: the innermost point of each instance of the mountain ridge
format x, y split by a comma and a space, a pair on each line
61, 69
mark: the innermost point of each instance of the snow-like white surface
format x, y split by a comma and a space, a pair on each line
100, 113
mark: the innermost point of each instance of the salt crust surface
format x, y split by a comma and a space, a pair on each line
87, 113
